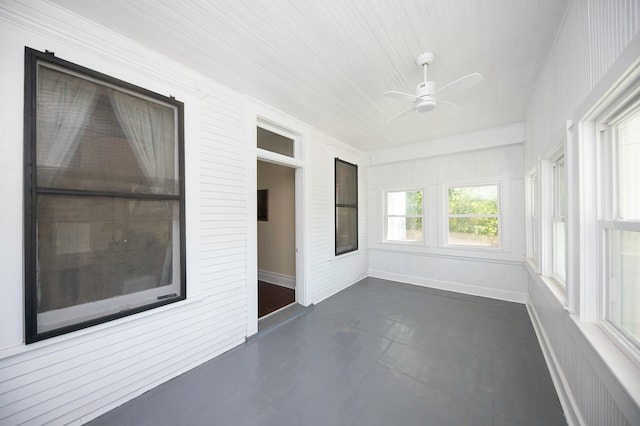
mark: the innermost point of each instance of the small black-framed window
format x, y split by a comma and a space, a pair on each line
103, 198
346, 204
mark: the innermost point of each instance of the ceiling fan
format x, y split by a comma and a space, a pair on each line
427, 97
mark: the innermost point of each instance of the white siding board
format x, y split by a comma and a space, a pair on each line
220, 157
221, 231
214, 243
228, 172
227, 289
225, 281
234, 247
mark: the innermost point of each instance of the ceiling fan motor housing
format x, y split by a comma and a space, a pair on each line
425, 91
425, 88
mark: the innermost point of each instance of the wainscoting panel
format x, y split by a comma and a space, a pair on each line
588, 391
504, 280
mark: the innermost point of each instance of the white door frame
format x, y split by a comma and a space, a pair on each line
302, 295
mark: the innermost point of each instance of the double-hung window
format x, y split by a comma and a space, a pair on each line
474, 216
558, 221
104, 198
346, 207
620, 222
403, 216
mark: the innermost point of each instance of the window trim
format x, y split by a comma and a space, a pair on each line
609, 217
32, 59
337, 205
589, 211
298, 145
558, 159
385, 216
532, 229
501, 187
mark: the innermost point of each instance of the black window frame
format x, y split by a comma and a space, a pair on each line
338, 250
32, 59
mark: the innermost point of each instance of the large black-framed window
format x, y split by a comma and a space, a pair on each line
104, 198
346, 204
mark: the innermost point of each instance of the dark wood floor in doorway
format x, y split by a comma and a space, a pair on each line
272, 297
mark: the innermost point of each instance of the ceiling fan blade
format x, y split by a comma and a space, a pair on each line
448, 108
459, 85
401, 95
401, 114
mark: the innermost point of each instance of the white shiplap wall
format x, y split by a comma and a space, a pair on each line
73, 378
594, 36
496, 274
329, 274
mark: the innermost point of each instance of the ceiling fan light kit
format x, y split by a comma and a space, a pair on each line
425, 105
425, 99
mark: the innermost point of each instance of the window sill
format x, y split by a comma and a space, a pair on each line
343, 255
621, 342
448, 253
474, 248
404, 243
559, 291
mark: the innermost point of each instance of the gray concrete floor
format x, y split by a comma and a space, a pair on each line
378, 353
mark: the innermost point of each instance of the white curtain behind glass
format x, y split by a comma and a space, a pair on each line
65, 103
149, 128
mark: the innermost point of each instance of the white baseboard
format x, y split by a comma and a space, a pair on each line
567, 401
492, 293
278, 279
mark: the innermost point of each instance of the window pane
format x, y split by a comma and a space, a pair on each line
560, 250
346, 229
628, 170
560, 188
404, 229
404, 203
274, 142
474, 200
473, 231
96, 138
346, 203
93, 249
346, 183
624, 283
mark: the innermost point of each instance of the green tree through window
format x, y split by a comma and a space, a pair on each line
473, 215
403, 220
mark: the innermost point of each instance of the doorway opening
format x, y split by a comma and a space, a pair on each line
276, 237
280, 228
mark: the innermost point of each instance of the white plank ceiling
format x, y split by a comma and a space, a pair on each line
328, 62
